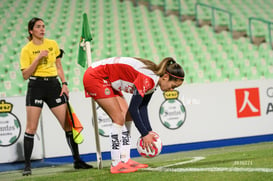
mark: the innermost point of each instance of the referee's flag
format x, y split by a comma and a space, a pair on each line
86, 36
75, 124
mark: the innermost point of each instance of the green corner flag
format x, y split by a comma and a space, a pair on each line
86, 36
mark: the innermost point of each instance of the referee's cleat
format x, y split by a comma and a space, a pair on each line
26, 171
79, 164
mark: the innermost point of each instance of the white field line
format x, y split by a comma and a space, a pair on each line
211, 169
195, 159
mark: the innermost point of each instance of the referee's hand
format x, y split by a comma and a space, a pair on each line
65, 91
43, 53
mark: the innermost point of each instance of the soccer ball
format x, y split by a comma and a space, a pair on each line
149, 154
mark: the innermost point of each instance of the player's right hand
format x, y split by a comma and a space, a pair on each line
148, 141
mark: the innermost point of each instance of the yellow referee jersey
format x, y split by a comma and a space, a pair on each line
47, 66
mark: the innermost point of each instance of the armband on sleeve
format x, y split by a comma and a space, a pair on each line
61, 54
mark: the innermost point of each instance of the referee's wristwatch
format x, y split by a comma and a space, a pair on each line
64, 83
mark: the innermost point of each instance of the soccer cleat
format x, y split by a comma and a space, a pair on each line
135, 164
26, 171
79, 164
122, 168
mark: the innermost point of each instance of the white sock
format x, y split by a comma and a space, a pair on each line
115, 139
126, 142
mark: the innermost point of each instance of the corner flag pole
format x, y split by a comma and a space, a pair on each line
85, 52
95, 119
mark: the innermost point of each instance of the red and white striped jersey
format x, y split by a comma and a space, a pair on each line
126, 74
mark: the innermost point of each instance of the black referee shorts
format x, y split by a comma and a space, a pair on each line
44, 89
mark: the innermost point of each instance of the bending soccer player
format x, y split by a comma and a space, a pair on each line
105, 80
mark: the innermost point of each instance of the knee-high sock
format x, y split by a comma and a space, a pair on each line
28, 147
115, 138
126, 142
72, 145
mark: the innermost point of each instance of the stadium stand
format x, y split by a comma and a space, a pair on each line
151, 29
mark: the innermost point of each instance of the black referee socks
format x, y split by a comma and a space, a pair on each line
28, 147
72, 145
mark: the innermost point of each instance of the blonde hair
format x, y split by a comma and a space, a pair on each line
167, 65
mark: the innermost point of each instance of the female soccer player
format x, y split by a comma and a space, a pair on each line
105, 80
41, 63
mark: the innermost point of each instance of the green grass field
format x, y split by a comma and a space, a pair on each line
233, 163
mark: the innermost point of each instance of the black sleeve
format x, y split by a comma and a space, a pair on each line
61, 54
144, 111
138, 111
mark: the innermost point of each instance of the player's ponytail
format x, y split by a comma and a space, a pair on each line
31, 24
167, 66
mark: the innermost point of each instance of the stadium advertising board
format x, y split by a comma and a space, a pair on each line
12, 128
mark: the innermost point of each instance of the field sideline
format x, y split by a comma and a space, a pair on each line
247, 162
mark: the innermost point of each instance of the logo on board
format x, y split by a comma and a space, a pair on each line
247, 102
10, 127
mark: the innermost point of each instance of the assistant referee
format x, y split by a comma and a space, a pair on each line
40, 63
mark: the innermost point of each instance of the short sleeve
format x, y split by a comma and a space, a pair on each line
143, 84
56, 48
